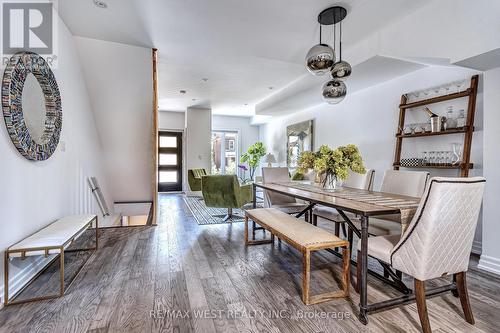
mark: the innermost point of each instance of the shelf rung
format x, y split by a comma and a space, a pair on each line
436, 99
450, 131
445, 166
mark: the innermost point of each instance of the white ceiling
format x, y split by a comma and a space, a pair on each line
242, 47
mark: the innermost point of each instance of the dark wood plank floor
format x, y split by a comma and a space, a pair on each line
181, 277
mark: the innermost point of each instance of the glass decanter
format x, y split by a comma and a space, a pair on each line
456, 156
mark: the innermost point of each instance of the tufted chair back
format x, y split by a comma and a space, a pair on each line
439, 238
410, 183
276, 175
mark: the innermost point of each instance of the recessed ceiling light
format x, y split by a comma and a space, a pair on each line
182, 91
100, 4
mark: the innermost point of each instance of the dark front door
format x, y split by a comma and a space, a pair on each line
169, 161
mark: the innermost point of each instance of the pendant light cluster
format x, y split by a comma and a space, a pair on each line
321, 58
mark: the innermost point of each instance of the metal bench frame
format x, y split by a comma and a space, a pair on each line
60, 256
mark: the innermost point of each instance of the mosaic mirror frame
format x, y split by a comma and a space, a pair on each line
20, 65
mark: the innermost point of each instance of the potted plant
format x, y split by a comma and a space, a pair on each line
332, 164
252, 157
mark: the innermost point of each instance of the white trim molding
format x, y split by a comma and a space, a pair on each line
489, 264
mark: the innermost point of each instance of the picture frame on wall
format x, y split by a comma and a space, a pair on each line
300, 138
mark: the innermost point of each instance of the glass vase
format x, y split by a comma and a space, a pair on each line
330, 183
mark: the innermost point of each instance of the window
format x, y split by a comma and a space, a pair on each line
225, 155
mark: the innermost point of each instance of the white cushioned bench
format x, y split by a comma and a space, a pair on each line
53, 239
304, 237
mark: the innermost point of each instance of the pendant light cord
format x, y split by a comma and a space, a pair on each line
334, 36
320, 29
340, 44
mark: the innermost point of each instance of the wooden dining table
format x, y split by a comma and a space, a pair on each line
364, 204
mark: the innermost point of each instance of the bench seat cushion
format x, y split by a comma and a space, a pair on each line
298, 233
55, 234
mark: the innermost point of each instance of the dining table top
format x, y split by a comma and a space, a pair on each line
357, 201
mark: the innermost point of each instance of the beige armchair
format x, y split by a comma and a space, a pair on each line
438, 241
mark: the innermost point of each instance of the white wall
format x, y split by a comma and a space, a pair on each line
119, 80
198, 134
443, 29
490, 258
33, 194
168, 120
249, 134
369, 119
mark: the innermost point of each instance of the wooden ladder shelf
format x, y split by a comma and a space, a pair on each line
468, 129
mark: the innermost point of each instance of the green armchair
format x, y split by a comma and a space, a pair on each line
224, 191
194, 178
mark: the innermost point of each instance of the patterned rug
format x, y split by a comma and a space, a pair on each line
207, 215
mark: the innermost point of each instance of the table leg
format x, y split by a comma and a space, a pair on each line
254, 193
363, 261
254, 205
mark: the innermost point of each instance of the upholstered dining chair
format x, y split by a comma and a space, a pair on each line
281, 202
354, 180
438, 241
408, 183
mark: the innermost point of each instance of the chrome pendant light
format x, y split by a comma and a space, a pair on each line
334, 91
341, 69
321, 58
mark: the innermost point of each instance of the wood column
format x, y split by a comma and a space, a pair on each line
154, 133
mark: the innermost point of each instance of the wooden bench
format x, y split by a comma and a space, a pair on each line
304, 237
53, 239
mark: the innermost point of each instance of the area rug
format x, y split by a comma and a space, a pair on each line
206, 215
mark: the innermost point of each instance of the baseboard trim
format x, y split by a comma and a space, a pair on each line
477, 247
489, 264
19, 280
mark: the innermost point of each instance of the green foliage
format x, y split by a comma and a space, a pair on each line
336, 162
253, 155
298, 176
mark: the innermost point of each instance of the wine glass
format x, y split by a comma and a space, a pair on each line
448, 157
417, 95
406, 130
432, 157
459, 84
413, 127
436, 91
425, 158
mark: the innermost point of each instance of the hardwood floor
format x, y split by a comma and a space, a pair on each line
181, 277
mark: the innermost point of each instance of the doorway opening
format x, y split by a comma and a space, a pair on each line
169, 161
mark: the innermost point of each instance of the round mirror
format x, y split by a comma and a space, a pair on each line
31, 105
34, 108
